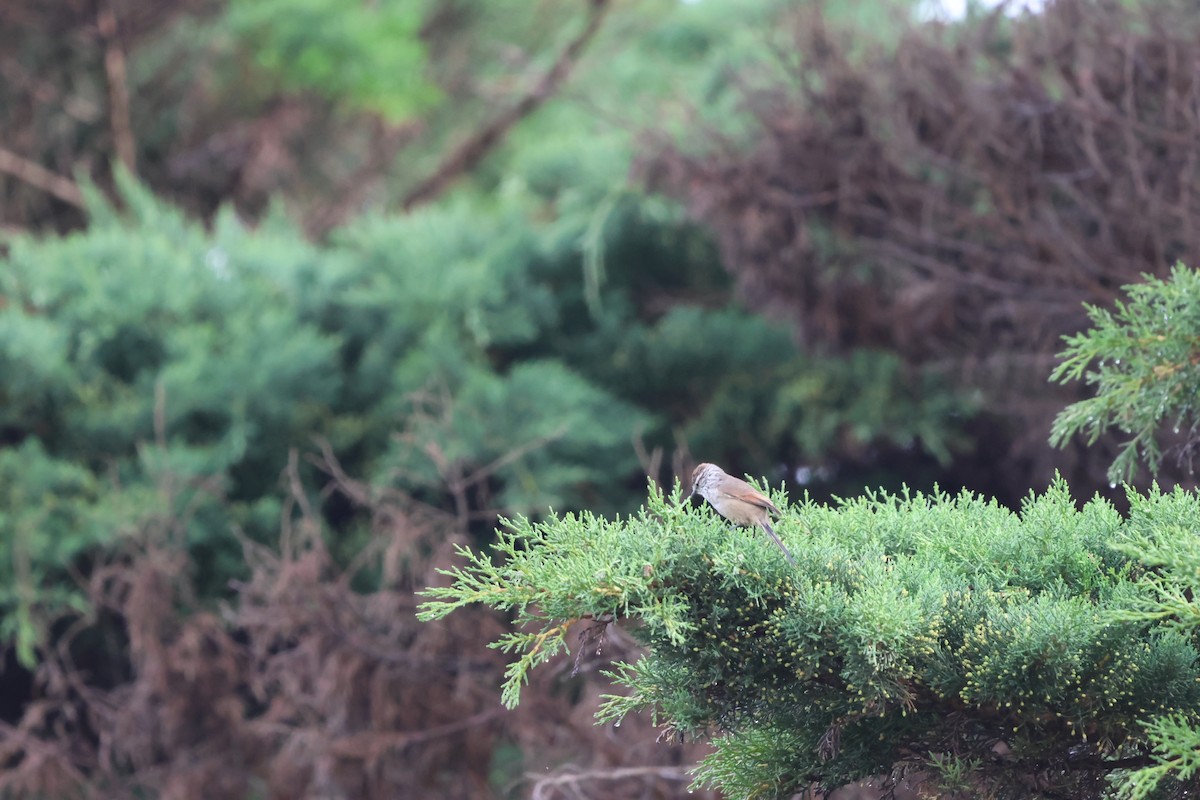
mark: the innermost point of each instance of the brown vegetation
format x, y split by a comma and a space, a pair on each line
959, 198
304, 687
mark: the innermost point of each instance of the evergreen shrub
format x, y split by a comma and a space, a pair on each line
152, 368
155, 369
918, 633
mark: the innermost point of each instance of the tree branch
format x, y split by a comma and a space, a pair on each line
118, 89
38, 176
472, 151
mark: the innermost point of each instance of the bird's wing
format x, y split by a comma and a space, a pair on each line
766, 503
755, 497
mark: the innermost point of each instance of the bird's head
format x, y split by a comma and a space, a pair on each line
705, 476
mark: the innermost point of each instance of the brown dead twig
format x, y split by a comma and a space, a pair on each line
39, 177
651, 460
116, 75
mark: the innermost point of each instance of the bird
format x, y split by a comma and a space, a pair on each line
737, 501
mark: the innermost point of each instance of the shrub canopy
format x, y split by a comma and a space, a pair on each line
917, 632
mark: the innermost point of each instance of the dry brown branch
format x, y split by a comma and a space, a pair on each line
39, 177
375, 744
118, 87
479, 144
650, 461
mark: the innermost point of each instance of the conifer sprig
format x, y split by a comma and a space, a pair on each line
1143, 358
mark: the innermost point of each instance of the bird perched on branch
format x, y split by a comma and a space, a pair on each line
736, 501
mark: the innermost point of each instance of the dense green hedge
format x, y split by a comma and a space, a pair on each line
916, 633
156, 374
157, 371
1049, 652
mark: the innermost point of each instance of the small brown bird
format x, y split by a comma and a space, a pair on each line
736, 501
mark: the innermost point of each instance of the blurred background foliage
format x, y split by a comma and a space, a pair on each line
514, 347
368, 57
460, 253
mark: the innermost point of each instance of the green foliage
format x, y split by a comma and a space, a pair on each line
1146, 374
645, 305
731, 385
367, 55
1147, 369
460, 354
1162, 536
1176, 741
904, 611
42, 514
146, 353
827, 405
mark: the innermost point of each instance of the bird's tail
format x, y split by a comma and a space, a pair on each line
771, 532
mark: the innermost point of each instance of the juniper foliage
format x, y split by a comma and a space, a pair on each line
152, 368
1141, 357
1143, 360
918, 632
148, 351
